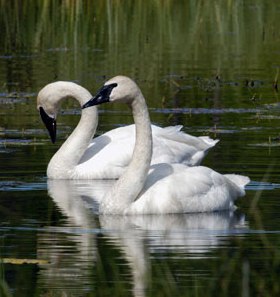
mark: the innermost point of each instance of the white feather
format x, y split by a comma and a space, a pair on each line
163, 188
107, 156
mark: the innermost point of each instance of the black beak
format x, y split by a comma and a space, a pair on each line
102, 96
50, 124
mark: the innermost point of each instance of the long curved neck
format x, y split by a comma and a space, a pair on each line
68, 156
130, 184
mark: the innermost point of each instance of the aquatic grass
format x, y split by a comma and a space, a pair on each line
4, 289
103, 33
188, 28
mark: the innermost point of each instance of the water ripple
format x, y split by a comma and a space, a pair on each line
261, 186
22, 186
207, 110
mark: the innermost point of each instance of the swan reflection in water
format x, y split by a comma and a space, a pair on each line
72, 250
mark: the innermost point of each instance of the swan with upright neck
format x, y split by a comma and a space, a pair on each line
107, 156
161, 188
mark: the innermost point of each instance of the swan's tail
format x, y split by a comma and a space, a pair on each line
240, 180
211, 142
174, 133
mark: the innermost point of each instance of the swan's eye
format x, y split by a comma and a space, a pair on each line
102, 96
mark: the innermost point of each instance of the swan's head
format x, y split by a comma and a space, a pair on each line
118, 89
48, 104
49, 100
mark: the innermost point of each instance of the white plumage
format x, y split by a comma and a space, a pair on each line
175, 188
162, 188
106, 156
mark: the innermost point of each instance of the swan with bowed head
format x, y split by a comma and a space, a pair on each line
161, 188
105, 157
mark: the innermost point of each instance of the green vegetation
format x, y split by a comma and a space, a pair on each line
224, 36
4, 289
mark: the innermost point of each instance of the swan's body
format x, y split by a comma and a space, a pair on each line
162, 188
107, 156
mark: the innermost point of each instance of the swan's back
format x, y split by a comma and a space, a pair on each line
174, 188
175, 146
109, 154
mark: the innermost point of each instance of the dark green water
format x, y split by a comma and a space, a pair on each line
211, 66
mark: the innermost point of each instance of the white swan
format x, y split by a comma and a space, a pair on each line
106, 156
165, 188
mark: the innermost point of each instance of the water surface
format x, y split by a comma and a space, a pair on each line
211, 67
